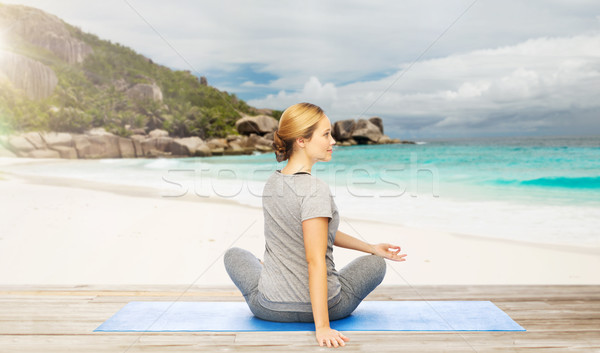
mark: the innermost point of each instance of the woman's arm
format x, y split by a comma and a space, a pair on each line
315, 245
388, 251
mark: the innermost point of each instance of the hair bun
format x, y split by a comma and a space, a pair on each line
280, 147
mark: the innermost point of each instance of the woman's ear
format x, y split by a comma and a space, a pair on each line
300, 141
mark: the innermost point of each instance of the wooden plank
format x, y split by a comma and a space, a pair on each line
62, 318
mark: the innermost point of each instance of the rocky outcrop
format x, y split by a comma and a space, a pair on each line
44, 30
260, 125
343, 129
364, 131
98, 143
190, 146
377, 122
19, 145
6, 153
158, 133
157, 147
55, 139
34, 78
145, 92
40, 29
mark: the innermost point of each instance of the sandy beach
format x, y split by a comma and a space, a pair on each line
67, 232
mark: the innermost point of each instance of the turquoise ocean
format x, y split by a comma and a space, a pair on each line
535, 189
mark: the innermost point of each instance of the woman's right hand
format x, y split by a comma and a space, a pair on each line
330, 337
388, 251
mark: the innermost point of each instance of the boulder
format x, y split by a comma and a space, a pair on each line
105, 146
144, 92
158, 133
57, 139
6, 153
269, 136
219, 151
366, 131
234, 146
377, 122
97, 146
385, 139
343, 129
186, 146
36, 140
65, 152
19, 145
157, 146
260, 124
43, 154
253, 140
203, 151
137, 144
234, 149
153, 153
126, 148
82, 145
264, 149
230, 138
217, 143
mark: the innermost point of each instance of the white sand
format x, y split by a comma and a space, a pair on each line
86, 233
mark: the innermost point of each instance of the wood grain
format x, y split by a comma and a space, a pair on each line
61, 319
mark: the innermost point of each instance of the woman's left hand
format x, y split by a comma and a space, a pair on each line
388, 251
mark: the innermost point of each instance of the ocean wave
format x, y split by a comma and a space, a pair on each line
557, 182
564, 182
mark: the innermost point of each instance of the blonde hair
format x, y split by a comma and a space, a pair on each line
298, 120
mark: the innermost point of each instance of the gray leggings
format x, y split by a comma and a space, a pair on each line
357, 279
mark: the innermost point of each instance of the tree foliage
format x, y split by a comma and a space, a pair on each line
94, 94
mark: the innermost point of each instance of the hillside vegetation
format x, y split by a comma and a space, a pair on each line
94, 87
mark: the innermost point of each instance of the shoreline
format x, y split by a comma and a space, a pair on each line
62, 231
461, 208
149, 192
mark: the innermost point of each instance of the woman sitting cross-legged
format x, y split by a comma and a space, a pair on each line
298, 281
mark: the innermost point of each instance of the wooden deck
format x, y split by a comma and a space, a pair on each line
62, 319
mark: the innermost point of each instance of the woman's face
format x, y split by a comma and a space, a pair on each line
320, 145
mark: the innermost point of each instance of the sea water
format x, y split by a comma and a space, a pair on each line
533, 189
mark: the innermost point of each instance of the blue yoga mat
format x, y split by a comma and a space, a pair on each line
369, 316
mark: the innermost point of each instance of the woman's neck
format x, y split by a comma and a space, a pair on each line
296, 165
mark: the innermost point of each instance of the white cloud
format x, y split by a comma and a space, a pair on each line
337, 41
340, 54
313, 91
526, 82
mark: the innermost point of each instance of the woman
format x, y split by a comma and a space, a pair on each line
298, 281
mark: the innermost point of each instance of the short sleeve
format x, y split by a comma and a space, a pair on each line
317, 202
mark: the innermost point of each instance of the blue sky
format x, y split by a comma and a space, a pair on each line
455, 68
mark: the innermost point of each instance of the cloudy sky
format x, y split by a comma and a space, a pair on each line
429, 69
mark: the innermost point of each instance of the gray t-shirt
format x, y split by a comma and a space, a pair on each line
287, 201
